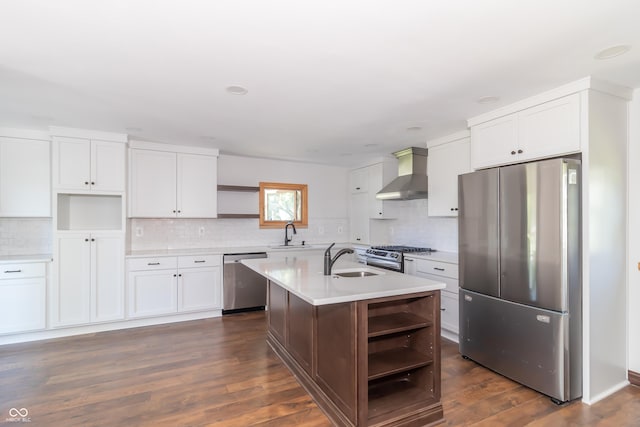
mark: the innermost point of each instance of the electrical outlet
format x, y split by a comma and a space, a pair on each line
201, 231
139, 232
340, 229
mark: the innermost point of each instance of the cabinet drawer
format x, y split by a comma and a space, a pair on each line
198, 261
21, 271
438, 268
449, 311
157, 263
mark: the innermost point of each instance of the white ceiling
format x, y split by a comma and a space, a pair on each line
329, 81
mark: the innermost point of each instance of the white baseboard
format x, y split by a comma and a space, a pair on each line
598, 397
451, 336
101, 327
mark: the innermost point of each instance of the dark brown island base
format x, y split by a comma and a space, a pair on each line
372, 362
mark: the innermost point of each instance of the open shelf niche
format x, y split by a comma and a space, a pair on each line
401, 347
241, 199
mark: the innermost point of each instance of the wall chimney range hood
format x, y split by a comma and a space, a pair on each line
411, 182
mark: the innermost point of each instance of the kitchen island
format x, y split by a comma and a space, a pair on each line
367, 349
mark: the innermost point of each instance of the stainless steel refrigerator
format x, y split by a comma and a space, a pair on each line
520, 274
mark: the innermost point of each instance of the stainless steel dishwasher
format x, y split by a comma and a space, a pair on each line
243, 289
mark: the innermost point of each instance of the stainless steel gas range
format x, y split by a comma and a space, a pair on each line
391, 257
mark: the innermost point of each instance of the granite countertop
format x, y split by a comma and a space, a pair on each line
303, 276
21, 259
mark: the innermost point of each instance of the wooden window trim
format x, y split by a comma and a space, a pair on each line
303, 223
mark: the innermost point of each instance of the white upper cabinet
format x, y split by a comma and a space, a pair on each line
446, 160
546, 130
24, 178
364, 183
359, 180
359, 218
171, 184
197, 186
88, 165
153, 184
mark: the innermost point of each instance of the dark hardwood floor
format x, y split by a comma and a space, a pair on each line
221, 372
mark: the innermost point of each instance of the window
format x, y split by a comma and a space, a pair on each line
281, 203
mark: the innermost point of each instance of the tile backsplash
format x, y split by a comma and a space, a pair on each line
146, 234
413, 227
25, 236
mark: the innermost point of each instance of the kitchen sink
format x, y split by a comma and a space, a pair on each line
356, 272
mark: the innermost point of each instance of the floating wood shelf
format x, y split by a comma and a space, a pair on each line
231, 216
239, 188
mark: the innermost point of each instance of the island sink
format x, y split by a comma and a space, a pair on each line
360, 272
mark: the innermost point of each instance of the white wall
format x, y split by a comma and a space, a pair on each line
634, 233
605, 248
328, 209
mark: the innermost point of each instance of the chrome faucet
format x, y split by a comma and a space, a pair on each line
328, 261
286, 234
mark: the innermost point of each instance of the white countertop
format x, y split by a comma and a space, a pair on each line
303, 276
220, 250
448, 257
21, 259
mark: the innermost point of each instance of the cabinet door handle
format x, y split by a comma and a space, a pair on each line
513, 153
13, 271
199, 261
358, 239
93, 183
93, 240
179, 275
174, 211
443, 309
519, 151
179, 211
153, 263
454, 209
438, 268
86, 240
175, 275
357, 188
86, 183
408, 259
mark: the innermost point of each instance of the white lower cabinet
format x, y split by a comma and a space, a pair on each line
152, 293
88, 278
446, 272
23, 296
168, 285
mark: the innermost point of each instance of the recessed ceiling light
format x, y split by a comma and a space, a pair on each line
612, 52
133, 129
487, 100
237, 90
414, 128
